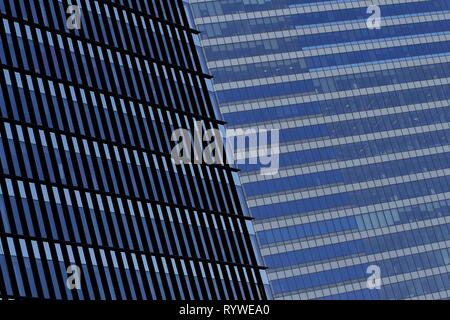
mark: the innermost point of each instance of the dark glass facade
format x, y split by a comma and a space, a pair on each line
363, 114
86, 176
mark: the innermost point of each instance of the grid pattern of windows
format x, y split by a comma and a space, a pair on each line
87, 177
364, 117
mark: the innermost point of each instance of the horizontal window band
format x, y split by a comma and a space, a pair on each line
317, 193
305, 8
299, 245
107, 93
339, 71
131, 198
299, 99
334, 49
342, 165
105, 46
100, 141
291, 123
327, 28
300, 146
350, 262
97, 247
355, 286
296, 220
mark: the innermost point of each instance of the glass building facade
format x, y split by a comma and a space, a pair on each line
87, 178
363, 190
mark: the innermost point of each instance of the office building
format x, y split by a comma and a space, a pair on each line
360, 93
92, 205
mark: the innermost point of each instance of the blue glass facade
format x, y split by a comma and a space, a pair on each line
86, 175
364, 120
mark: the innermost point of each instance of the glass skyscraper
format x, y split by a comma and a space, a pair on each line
92, 205
360, 207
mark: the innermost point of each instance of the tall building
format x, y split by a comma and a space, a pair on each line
359, 90
92, 205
